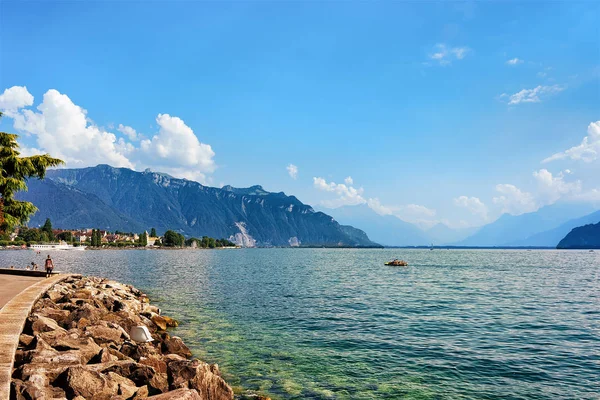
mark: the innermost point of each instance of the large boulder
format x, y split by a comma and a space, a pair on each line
90, 384
72, 340
201, 376
104, 334
179, 394
30, 391
174, 345
40, 324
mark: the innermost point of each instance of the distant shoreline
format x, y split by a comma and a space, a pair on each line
324, 247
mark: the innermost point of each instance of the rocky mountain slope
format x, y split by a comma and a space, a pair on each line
121, 199
583, 237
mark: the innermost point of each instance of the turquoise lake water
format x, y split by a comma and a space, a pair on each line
321, 323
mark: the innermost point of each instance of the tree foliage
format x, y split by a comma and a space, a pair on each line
152, 232
67, 236
143, 239
96, 239
173, 239
15, 171
47, 228
209, 243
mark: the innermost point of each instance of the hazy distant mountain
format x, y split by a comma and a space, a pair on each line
552, 237
583, 237
119, 198
384, 229
510, 229
441, 234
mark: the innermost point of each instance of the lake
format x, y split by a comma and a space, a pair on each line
337, 323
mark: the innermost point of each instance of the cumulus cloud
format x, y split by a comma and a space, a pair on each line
14, 98
514, 201
128, 131
292, 171
534, 95
347, 195
64, 130
473, 204
444, 55
375, 205
514, 61
177, 150
587, 151
414, 212
552, 188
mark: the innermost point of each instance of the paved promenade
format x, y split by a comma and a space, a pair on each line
13, 315
12, 285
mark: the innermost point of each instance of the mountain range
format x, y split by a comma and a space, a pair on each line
392, 231
122, 199
542, 228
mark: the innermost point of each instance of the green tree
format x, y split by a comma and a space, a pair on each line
173, 239
211, 243
30, 235
67, 236
48, 229
14, 173
152, 232
144, 239
96, 239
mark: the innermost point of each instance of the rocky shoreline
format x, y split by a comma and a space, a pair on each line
76, 344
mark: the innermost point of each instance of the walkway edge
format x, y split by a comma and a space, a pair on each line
12, 321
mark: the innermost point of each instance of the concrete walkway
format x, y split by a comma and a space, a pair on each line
12, 320
12, 285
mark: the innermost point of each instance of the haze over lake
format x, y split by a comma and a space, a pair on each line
321, 323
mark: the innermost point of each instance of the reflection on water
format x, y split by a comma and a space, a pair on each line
320, 323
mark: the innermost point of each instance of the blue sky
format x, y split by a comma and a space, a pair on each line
437, 111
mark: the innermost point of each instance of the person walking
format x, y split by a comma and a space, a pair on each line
49, 266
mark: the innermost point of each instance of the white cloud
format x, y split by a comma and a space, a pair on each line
177, 150
587, 151
128, 131
552, 188
513, 200
64, 130
590, 196
534, 95
375, 205
347, 195
474, 205
14, 98
444, 55
514, 61
349, 181
413, 212
292, 171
